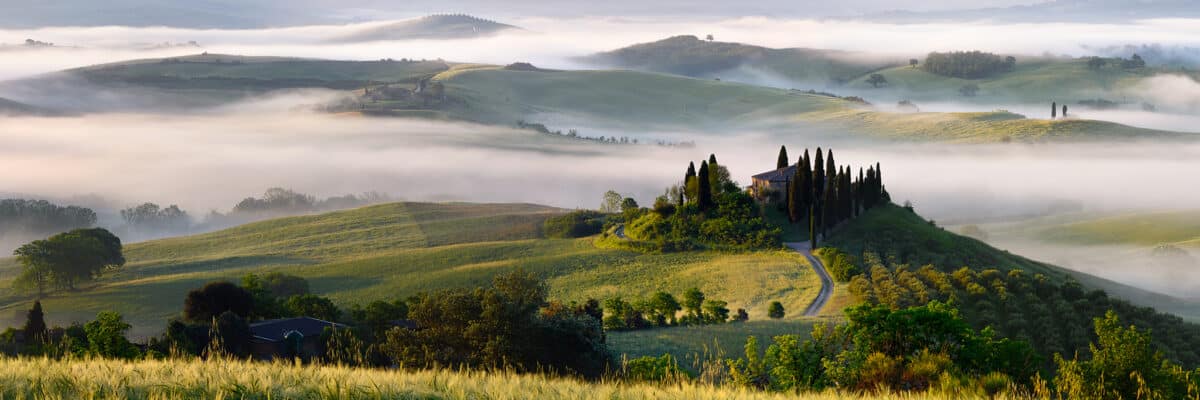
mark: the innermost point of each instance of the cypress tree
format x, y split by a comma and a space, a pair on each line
858, 197
812, 227
714, 175
819, 176
806, 185
687, 180
793, 204
703, 188
35, 324
782, 162
1053, 110
827, 205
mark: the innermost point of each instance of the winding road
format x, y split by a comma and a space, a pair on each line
826, 281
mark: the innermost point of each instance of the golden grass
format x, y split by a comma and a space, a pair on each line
40, 378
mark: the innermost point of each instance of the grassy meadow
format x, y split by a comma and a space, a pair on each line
38, 378
396, 250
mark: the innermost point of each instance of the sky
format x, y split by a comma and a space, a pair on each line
277, 13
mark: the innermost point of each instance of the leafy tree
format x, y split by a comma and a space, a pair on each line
309, 305
68, 258
233, 333
912, 62
579, 223
783, 160
151, 217
693, 300
775, 310
611, 203
629, 208
877, 80
1096, 63
741, 315
1124, 364
704, 194
499, 327
106, 336
35, 324
969, 90
715, 312
215, 298
377, 317
664, 307
689, 180
750, 371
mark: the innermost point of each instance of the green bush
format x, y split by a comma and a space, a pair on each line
655, 369
575, 224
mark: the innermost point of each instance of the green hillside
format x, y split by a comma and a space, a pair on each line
442, 26
232, 72
1143, 229
396, 250
1034, 80
497, 95
688, 55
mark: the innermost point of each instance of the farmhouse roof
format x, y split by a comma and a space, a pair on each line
779, 175
274, 330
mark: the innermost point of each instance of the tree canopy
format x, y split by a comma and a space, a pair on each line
66, 259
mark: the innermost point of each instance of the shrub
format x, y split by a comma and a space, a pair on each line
575, 224
655, 369
775, 310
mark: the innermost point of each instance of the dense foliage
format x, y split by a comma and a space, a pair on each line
66, 259
881, 348
502, 326
708, 210
968, 64
575, 224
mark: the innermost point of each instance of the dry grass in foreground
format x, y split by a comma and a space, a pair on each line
40, 378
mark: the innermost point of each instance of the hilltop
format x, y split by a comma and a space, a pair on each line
440, 26
690, 56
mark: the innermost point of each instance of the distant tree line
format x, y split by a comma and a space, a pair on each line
41, 217
825, 194
968, 64
574, 134
662, 310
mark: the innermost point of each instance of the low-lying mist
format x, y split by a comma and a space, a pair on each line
555, 42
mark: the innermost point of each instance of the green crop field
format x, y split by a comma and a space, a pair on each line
399, 249
1144, 229
225, 66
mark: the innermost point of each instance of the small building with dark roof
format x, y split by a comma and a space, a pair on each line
289, 337
771, 185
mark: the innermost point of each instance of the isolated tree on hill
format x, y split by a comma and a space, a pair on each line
775, 310
1053, 110
611, 203
68, 258
912, 62
704, 196
1064, 114
709, 37
877, 80
35, 324
782, 162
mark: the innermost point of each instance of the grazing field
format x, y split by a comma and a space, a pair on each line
396, 250
25, 378
216, 70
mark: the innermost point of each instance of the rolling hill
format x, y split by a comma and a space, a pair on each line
617, 99
441, 26
689, 56
396, 250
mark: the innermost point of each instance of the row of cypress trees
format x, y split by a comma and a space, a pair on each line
825, 194
699, 185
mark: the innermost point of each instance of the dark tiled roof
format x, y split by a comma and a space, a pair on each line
779, 175
273, 330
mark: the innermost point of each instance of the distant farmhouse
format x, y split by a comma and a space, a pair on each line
772, 185
289, 337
